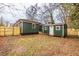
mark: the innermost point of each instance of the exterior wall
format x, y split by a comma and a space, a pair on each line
58, 32
46, 29
36, 29
40, 28
21, 27
62, 32
28, 28
51, 30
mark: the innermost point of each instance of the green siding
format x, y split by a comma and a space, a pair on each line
62, 31
46, 30
21, 27
35, 29
27, 28
40, 28
57, 32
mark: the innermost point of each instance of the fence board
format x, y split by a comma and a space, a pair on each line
6, 31
1, 32
16, 30
73, 32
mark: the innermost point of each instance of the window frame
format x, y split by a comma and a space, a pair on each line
58, 27
33, 25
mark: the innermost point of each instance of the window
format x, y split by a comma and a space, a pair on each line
33, 26
57, 27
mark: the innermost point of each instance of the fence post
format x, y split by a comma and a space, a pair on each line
78, 33
13, 30
4, 30
0, 30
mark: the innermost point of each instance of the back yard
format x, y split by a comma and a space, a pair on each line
39, 44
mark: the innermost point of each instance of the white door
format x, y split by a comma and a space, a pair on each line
51, 30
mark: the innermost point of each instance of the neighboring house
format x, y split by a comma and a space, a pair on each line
28, 26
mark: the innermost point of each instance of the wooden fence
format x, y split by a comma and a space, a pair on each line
6, 31
74, 32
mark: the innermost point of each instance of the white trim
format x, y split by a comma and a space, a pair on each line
78, 34
21, 27
51, 30
33, 26
63, 30
58, 27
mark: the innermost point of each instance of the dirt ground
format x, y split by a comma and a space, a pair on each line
39, 45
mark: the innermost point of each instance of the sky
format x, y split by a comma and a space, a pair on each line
58, 16
7, 13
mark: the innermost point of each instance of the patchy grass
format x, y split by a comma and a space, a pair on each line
39, 45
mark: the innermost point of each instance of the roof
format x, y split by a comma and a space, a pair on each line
53, 24
59, 24
27, 21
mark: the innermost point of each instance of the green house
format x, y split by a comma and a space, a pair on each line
59, 30
27, 26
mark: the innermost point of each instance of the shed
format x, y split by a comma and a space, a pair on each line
58, 30
55, 29
27, 26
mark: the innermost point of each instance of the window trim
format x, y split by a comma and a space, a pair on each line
58, 27
33, 25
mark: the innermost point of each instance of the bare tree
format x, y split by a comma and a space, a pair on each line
42, 13
47, 12
11, 9
49, 9
31, 12
1, 21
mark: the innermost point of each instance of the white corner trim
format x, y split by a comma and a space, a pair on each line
63, 30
